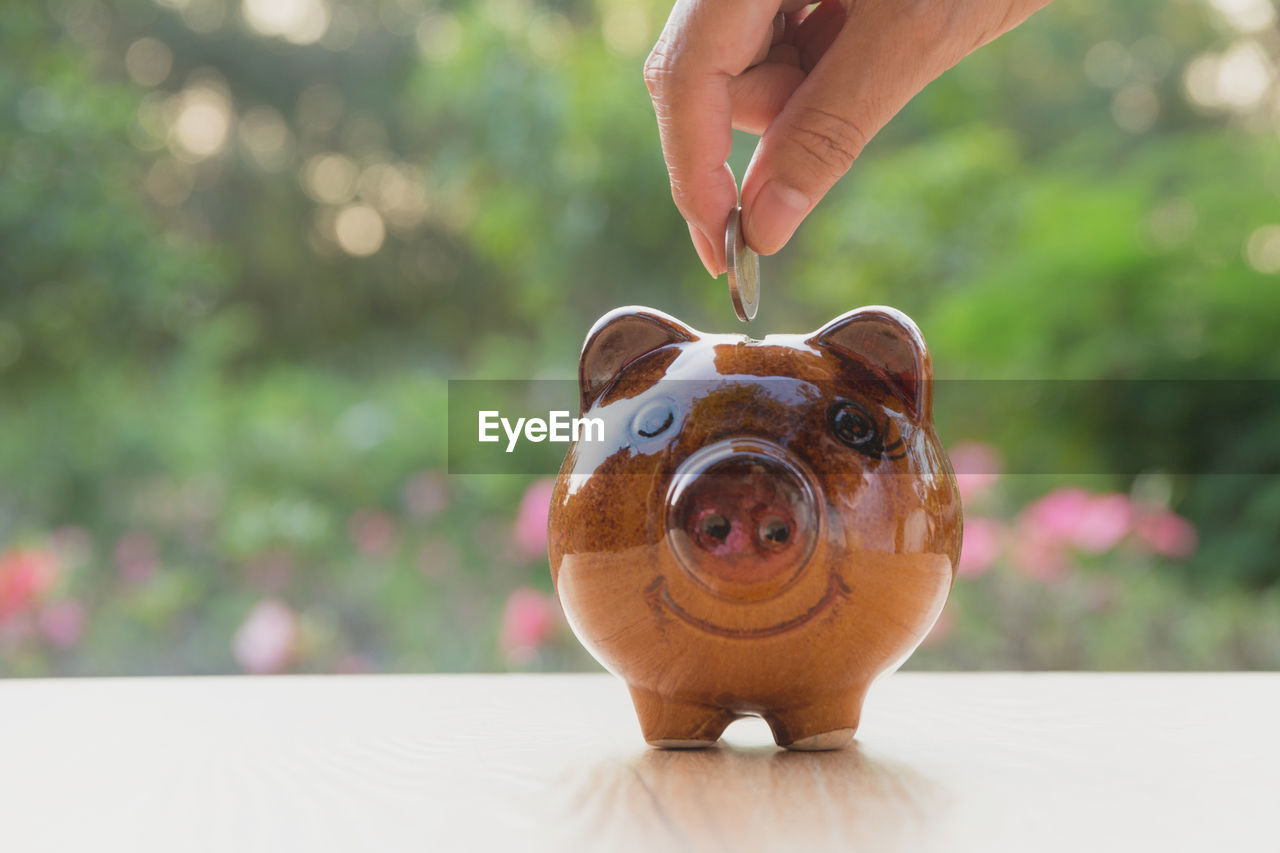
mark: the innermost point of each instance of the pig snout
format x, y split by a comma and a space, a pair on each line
742, 516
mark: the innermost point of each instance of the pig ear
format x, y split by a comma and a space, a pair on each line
888, 342
619, 338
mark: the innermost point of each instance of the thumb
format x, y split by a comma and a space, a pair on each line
879, 60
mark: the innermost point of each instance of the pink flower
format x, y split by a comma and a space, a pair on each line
267, 639
528, 620
62, 623
1057, 515
373, 532
426, 494
1167, 533
1092, 523
26, 574
1107, 519
531, 519
137, 556
977, 468
981, 546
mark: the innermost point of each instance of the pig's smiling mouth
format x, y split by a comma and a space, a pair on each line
659, 596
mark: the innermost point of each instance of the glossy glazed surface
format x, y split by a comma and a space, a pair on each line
766, 527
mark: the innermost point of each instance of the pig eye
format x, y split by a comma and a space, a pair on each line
653, 419
854, 426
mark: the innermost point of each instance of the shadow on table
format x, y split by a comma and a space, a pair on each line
750, 798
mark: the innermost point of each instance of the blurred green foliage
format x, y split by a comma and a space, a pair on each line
243, 245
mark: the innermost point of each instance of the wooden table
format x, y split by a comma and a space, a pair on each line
972, 762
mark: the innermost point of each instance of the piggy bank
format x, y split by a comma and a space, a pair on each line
753, 527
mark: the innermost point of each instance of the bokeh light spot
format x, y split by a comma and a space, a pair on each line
1246, 16
1135, 108
359, 230
330, 178
1107, 64
1244, 75
1262, 249
148, 61
1236, 80
396, 191
203, 121
296, 21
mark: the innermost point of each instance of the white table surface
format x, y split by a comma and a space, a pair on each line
972, 762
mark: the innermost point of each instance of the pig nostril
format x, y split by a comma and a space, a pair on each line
716, 526
742, 518
774, 531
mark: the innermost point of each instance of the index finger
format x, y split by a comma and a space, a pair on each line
702, 46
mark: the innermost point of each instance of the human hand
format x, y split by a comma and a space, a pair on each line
815, 82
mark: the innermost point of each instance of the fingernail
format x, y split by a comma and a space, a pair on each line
774, 217
706, 252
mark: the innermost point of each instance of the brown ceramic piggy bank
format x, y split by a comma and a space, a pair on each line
754, 527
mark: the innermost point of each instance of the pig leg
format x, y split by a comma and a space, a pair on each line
670, 724
826, 724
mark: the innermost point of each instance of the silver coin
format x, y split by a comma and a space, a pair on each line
744, 269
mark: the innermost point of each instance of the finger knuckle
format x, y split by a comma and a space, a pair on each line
658, 68
830, 140
681, 196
